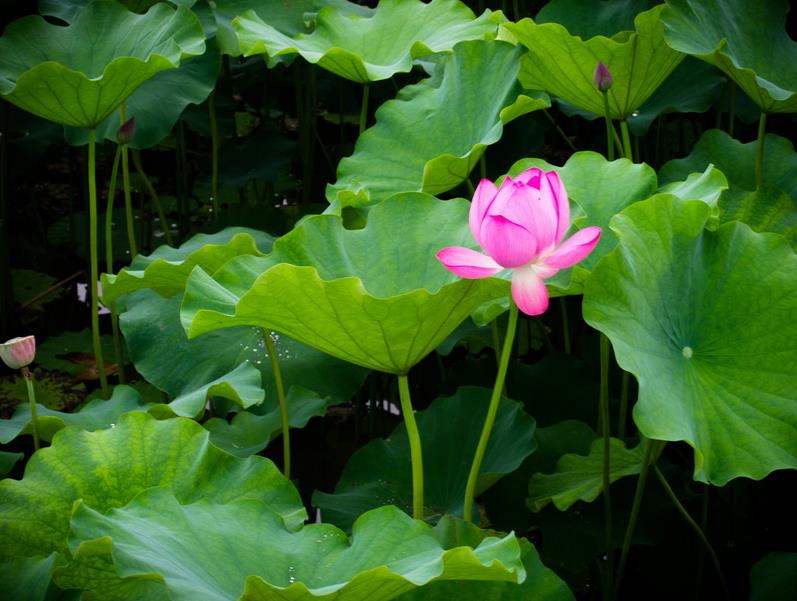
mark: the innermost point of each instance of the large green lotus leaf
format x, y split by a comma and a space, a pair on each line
541, 584
580, 477
703, 320
744, 38
737, 161
214, 551
166, 270
379, 473
774, 578
289, 18
248, 433
375, 297
590, 18
419, 143
78, 74
107, 468
97, 414
67, 9
158, 103
374, 47
192, 370
708, 186
564, 65
766, 209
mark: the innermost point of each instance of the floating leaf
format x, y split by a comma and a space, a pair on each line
107, 468
399, 155
54, 389
30, 288
371, 48
563, 64
703, 320
249, 548
744, 38
323, 285
50, 71
379, 473
71, 352
580, 477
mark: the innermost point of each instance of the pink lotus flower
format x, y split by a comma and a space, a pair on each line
521, 226
18, 352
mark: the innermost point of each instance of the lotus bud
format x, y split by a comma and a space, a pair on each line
603, 78
18, 353
126, 131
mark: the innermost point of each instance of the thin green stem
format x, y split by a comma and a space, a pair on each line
214, 148
685, 514
623, 416
34, 417
759, 151
416, 455
153, 196
565, 325
651, 447
94, 267
701, 554
481, 447
559, 130
627, 151
286, 431
117, 342
483, 166
469, 185
364, 107
609, 128
605, 352
131, 235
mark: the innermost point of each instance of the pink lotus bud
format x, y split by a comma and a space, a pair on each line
603, 78
126, 131
521, 226
18, 352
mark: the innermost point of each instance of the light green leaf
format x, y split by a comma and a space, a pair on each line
744, 38
107, 468
580, 477
704, 321
97, 414
564, 65
211, 551
77, 75
374, 47
765, 210
420, 144
371, 296
707, 186
379, 473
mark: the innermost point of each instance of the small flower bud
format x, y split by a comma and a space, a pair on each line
18, 352
126, 131
603, 78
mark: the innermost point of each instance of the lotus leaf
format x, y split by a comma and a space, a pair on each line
27, 578
744, 38
563, 64
67, 9
386, 42
774, 578
590, 18
8, 461
703, 320
396, 155
707, 186
78, 74
324, 286
767, 209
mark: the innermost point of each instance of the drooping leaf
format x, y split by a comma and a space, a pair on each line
707, 186
66, 10
97, 414
767, 209
379, 473
580, 477
564, 65
702, 320
8, 461
107, 468
593, 18
53, 72
420, 144
243, 545
27, 578
373, 47
744, 38
774, 578
324, 286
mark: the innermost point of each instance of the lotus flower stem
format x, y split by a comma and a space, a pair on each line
629, 154
94, 267
685, 514
214, 161
131, 236
286, 428
364, 108
652, 449
117, 342
559, 130
416, 453
605, 356
759, 150
623, 416
34, 417
609, 128
481, 447
154, 196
